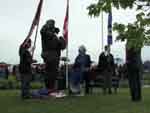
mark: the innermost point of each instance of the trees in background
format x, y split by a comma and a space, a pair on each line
136, 35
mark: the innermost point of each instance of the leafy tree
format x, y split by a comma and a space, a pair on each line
136, 34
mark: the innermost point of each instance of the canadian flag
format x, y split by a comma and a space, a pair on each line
65, 27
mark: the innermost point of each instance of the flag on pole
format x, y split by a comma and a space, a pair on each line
65, 26
35, 21
109, 38
65, 35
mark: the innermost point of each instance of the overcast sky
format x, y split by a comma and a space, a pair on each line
16, 17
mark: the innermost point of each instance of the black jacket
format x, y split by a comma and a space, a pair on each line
83, 61
106, 63
51, 44
133, 59
25, 60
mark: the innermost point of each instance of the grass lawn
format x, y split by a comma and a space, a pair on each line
10, 102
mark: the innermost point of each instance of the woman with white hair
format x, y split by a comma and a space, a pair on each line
80, 71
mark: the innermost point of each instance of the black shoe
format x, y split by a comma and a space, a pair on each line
110, 92
26, 97
136, 100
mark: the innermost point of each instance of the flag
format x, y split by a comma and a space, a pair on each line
65, 26
65, 35
109, 38
35, 21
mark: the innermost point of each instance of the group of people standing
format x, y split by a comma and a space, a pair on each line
51, 51
82, 67
107, 69
52, 45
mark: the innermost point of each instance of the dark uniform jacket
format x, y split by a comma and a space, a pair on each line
83, 61
133, 59
51, 44
25, 60
106, 63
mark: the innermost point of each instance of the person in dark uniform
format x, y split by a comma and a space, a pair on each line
106, 67
25, 68
134, 72
51, 51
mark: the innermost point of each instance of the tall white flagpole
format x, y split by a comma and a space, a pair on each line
102, 32
67, 68
65, 33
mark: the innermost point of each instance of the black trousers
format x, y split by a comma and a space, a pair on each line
107, 81
25, 84
51, 72
86, 77
134, 77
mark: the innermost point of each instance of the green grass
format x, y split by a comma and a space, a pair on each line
10, 102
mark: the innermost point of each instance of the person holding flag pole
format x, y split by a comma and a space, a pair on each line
26, 56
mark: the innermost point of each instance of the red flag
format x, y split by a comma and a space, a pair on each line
65, 27
35, 21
